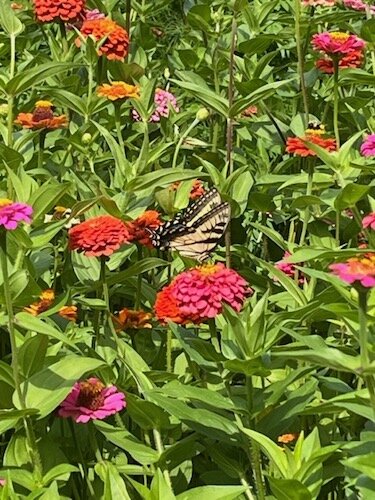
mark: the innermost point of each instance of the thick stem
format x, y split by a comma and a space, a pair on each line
336, 100
160, 448
128, 12
306, 218
180, 142
42, 137
301, 61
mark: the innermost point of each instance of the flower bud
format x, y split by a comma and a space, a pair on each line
167, 74
202, 114
86, 138
4, 108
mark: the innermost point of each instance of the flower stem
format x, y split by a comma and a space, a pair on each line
169, 351
89, 90
180, 142
363, 345
138, 296
160, 448
336, 100
310, 178
94, 443
118, 126
214, 335
64, 41
128, 11
42, 137
300, 56
33, 449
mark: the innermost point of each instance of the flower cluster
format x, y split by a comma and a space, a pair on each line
139, 229
116, 39
164, 102
41, 118
99, 236
198, 294
118, 90
11, 213
313, 134
357, 270
368, 146
128, 319
359, 5
56, 10
92, 400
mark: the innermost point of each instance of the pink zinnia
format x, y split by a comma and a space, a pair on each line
368, 146
336, 43
91, 400
198, 294
357, 270
369, 221
11, 213
164, 102
359, 5
285, 267
318, 3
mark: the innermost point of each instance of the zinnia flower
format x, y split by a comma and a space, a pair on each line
352, 60
357, 270
337, 43
45, 301
131, 319
296, 145
11, 213
118, 90
69, 312
368, 146
41, 117
250, 111
196, 191
164, 102
199, 293
138, 228
116, 38
359, 5
58, 10
98, 236
369, 221
92, 400
288, 438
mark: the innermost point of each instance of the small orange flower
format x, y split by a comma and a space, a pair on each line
288, 438
46, 299
116, 38
138, 228
250, 111
129, 318
314, 134
118, 90
69, 312
41, 118
197, 189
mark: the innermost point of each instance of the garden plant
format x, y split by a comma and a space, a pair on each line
187, 249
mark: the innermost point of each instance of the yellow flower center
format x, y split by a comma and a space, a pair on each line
339, 36
208, 269
43, 104
4, 202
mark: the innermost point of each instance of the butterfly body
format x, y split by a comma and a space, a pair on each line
196, 231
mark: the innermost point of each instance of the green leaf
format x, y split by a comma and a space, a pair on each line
213, 493
9, 21
365, 464
46, 197
350, 195
114, 485
289, 489
162, 178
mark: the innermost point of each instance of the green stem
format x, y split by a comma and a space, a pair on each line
128, 10
169, 351
64, 41
160, 448
42, 137
336, 100
16, 369
214, 335
89, 90
337, 228
12, 69
94, 442
258, 477
363, 345
138, 296
118, 126
180, 142
306, 218
301, 61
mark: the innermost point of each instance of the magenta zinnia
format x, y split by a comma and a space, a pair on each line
11, 213
357, 270
368, 146
92, 400
337, 43
369, 221
198, 294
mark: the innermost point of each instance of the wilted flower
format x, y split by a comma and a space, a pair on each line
98, 236
359, 5
368, 146
337, 43
69, 312
116, 38
131, 319
199, 293
11, 213
45, 301
58, 10
357, 270
138, 228
118, 90
314, 133
92, 400
353, 60
41, 118
164, 102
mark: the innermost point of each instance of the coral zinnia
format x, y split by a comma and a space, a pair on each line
91, 400
357, 270
138, 228
58, 10
288, 438
337, 43
131, 319
118, 90
368, 146
11, 213
199, 293
314, 133
116, 39
98, 236
352, 60
46, 300
41, 117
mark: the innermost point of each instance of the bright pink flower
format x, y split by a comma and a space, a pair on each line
369, 221
368, 146
288, 268
91, 400
12, 213
164, 102
318, 3
199, 293
357, 270
337, 43
359, 5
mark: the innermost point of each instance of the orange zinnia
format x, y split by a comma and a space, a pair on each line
46, 300
197, 189
118, 90
69, 312
288, 438
314, 133
41, 117
129, 318
116, 38
58, 10
138, 228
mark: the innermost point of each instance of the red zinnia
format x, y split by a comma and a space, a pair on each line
138, 227
98, 236
116, 38
314, 133
352, 60
59, 10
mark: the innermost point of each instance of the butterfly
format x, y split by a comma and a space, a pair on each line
196, 231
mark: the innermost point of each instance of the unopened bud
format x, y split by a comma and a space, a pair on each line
354, 294
86, 138
167, 74
202, 114
4, 108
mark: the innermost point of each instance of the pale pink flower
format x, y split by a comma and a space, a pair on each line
91, 400
318, 3
164, 102
369, 221
2, 482
336, 43
357, 270
359, 5
368, 146
11, 213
